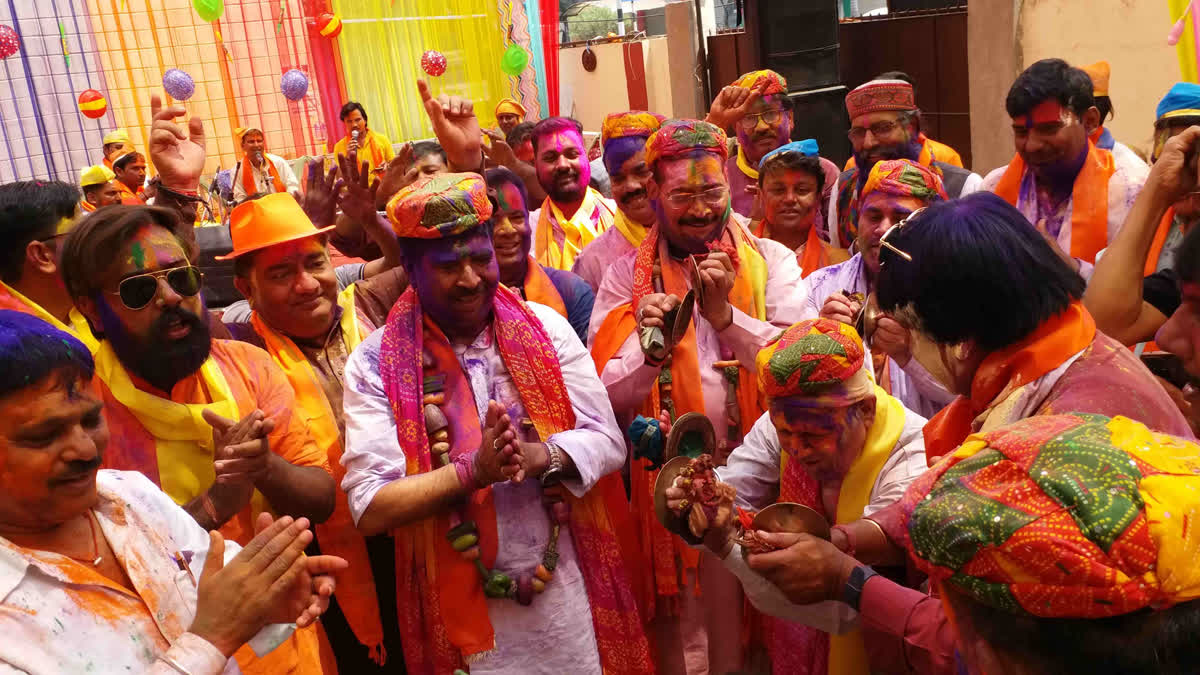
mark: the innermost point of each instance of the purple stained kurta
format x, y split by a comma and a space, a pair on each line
594, 260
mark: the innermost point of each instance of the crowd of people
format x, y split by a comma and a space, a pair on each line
438, 433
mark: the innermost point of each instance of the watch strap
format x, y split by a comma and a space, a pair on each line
852, 591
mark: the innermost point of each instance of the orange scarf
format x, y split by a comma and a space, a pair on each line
1003, 371
1160, 238
662, 550
1089, 200
248, 183
86, 206
443, 610
539, 288
813, 257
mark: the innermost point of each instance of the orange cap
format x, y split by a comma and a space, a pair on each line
267, 221
1100, 72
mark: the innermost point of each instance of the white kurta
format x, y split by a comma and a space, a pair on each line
262, 178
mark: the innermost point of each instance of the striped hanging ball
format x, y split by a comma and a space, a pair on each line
92, 104
329, 25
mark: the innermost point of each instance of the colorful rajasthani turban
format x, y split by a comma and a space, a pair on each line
627, 124
1063, 516
880, 95
904, 178
443, 205
1099, 72
770, 82
680, 137
819, 360
807, 147
508, 106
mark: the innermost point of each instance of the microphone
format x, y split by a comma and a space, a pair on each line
258, 156
354, 139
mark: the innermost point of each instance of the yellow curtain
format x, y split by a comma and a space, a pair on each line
381, 46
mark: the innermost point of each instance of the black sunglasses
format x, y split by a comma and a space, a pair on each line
137, 292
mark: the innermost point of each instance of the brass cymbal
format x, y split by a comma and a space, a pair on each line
791, 517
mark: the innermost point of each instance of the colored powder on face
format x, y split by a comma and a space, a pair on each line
137, 255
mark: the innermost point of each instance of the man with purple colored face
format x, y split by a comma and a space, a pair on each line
623, 136
1076, 194
758, 106
574, 213
747, 290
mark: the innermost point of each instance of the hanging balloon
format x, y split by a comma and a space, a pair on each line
433, 63
294, 84
9, 42
209, 10
92, 104
329, 25
514, 61
178, 84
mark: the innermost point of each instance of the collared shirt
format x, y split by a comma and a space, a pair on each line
60, 616
595, 258
555, 634
263, 182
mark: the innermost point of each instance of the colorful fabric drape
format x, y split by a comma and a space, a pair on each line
592, 219
441, 205
815, 357
1089, 200
666, 552
550, 28
443, 611
1064, 516
539, 288
899, 177
337, 535
11, 298
1006, 370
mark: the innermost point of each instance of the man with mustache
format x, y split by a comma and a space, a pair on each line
894, 190
574, 213
478, 432
1076, 194
260, 172
106, 561
509, 113
99, 185
623, 136
790, 184
749, 290
211, 422
373, 147
885, 124
512, 239
130, 170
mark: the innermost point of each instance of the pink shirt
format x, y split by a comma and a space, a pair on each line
594, 260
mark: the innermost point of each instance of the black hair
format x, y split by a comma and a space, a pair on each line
503, 176
92, 189
123, 161
32, 350
520, 133
1105, 106
979, 271
93, 246
351, 107
30, 210
793, 160
1187, 257
898, 75
423, 148
552, 125
1050, 79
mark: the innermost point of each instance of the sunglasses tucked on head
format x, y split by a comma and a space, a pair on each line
138, 291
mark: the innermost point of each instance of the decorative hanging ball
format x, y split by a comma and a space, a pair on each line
329, 25
514, 61
178, 84
9, 42
209, 10
92, 104
294, 84
433, 63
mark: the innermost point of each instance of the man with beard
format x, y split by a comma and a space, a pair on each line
1133, 288
94, 559
885, 124
790, 184
623, 136
478, 432
209, 421
260, 172
509, 113
35, 216
1072, 191
574, 213
564, 292
130, 171
749, 289
99, 188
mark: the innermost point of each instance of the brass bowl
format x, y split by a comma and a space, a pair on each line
687, 425
673, 523
791, 517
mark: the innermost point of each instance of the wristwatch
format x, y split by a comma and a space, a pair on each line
554, 472
852, 591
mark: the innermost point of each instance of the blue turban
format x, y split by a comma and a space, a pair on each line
807, 147
1183, 100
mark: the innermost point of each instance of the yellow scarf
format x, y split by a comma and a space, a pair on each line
744, 165
578, 230
79, 326
634, 232
847, 654
183, 440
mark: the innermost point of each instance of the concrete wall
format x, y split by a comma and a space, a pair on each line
591, 96
1005, 36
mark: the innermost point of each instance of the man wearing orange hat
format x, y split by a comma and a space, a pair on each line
1071, 190
885, 124
260, 172
509, 113
99, 188
478, 432
1100, 73
309, 324
130, 170
212, 422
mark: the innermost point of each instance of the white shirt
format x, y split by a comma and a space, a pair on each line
262, 178
45, 621
555, 633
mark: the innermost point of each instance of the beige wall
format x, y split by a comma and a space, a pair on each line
591, 96
1129, 34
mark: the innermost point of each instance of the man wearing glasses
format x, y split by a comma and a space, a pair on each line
209, 421
1076, 194
746, 291
885, 124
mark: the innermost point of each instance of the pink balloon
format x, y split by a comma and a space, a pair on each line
9, 42
433, 63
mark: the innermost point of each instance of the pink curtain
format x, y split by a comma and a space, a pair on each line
549, 9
